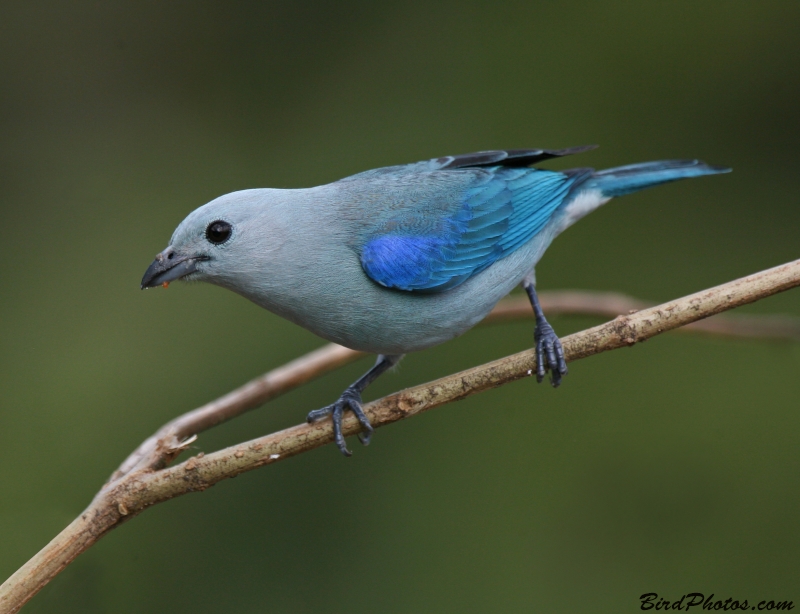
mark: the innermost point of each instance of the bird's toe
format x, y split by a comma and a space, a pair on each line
549, 355
319, 414
338, 437
350, 399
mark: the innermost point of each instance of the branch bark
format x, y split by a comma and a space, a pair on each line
144, 479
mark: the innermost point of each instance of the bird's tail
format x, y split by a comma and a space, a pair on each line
626, 179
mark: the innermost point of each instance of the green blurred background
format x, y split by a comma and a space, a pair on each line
670, 467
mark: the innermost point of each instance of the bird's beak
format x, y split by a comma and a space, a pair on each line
168, 266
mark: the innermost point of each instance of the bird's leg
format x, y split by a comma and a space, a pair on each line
549, 353
351, 398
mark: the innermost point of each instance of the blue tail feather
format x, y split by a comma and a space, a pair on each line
626, 179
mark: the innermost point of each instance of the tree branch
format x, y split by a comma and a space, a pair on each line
143, 480
162, 447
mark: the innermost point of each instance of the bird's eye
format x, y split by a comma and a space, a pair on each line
218, 232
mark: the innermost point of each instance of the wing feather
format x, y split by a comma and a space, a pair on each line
502, 210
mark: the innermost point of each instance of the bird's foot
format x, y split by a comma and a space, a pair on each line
351, 398
549, 354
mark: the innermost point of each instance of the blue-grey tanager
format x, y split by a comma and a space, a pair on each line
401, 258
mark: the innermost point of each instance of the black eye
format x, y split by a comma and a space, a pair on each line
218, 232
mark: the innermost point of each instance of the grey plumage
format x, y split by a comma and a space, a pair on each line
459, 233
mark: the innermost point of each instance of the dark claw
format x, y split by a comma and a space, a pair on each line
350, 399
548, 347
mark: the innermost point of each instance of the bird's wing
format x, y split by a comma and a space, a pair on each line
509, 158
500, 209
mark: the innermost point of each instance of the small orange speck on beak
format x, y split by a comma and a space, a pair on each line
165, 285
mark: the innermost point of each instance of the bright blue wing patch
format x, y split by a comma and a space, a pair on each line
503, 210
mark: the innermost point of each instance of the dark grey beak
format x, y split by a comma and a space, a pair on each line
169, 266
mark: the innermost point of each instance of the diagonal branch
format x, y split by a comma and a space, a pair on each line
141, 486
167, 443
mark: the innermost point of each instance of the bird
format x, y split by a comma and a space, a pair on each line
401, 258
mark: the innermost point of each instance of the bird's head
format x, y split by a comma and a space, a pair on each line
217, 242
